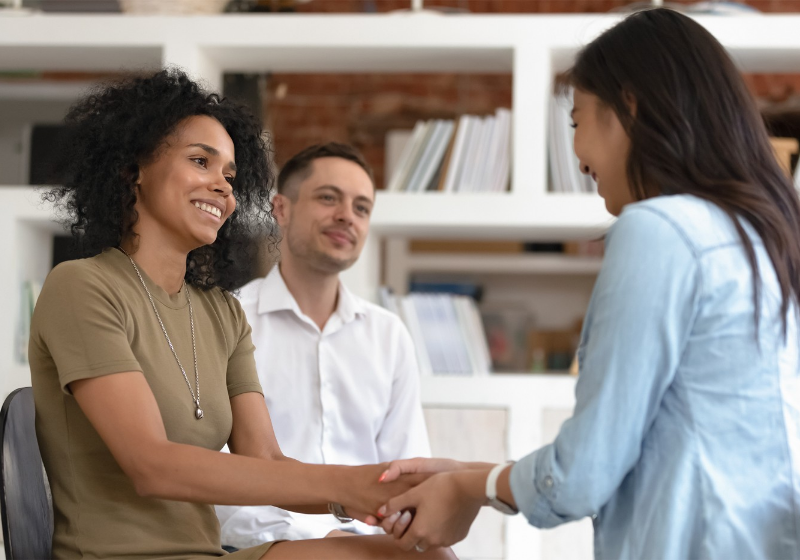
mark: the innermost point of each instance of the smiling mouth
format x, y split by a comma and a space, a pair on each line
213, 210
339, 237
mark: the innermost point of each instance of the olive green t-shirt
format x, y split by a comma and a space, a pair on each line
93, 318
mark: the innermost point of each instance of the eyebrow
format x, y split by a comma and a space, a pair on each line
360, 197
213, 151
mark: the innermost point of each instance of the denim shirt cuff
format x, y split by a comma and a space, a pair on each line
533, 487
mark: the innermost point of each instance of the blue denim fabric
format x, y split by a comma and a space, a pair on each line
685, 442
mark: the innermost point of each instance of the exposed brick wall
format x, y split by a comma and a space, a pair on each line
495, 6
303, 109
774, 88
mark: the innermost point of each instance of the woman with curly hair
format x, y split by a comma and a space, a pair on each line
141, 361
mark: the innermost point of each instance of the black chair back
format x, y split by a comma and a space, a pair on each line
25, 500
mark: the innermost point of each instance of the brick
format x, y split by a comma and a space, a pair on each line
361, 108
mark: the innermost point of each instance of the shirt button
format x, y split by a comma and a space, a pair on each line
548, 481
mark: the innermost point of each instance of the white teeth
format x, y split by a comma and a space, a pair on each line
213, 210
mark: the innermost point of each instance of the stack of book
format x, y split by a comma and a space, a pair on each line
447, 332
472, 154
565, 173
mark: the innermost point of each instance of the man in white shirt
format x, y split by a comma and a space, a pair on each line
339, 374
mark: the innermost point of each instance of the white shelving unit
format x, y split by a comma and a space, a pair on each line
533, 48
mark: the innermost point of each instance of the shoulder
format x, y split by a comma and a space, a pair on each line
76, 289
684, 219
224, 302
85, 275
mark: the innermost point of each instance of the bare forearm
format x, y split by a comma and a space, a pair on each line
473, 483
476, 465
230, 479
316, 509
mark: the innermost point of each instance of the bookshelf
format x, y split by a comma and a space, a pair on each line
532, 48
505, 264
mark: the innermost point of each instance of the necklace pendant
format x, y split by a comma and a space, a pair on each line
198, 413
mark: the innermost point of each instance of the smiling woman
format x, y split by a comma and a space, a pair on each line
141, 360
684, 442
150, 126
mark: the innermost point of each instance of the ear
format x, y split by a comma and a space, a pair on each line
138, 173
281, 209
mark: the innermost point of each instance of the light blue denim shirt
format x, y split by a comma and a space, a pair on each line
685, 442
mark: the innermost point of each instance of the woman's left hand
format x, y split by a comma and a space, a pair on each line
444, 508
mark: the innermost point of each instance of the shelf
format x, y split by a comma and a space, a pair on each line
499, 390
34, 90
513, 263
556, 217
262, 42
357, 43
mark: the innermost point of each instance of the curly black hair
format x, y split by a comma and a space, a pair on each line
120, 126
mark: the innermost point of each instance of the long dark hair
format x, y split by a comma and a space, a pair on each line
120, 126
696, 130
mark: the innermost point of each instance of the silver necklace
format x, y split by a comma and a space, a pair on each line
198, 412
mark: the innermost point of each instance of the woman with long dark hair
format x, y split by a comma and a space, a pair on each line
141, 361
685, 440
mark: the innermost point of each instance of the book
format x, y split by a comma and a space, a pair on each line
453, 174
431, 128
446, 329
503, 163
418, 141
406, 158
432, 157
471, 154
409, 317
442, 172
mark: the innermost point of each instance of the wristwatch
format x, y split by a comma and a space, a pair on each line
337, 510
491, 491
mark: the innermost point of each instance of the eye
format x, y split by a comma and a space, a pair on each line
363, 210
230, 179
574, 125
201, 161
327, 197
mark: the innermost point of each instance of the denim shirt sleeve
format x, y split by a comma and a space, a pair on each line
637, 325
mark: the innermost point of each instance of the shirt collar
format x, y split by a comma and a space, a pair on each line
275, 296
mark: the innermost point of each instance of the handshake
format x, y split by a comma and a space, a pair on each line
423, 503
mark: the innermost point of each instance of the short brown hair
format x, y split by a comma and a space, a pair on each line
300, 163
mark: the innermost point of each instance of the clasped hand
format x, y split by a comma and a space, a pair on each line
366, 489
439, 510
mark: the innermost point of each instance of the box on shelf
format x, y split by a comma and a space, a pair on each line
506, 332
552, 350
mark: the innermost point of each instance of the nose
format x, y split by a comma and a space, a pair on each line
222, 186
584, 168
344, 214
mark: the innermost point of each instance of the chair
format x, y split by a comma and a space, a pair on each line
25, 500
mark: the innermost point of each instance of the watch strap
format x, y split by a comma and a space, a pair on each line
337, 510
491, 490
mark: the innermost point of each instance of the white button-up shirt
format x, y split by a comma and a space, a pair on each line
346, 395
